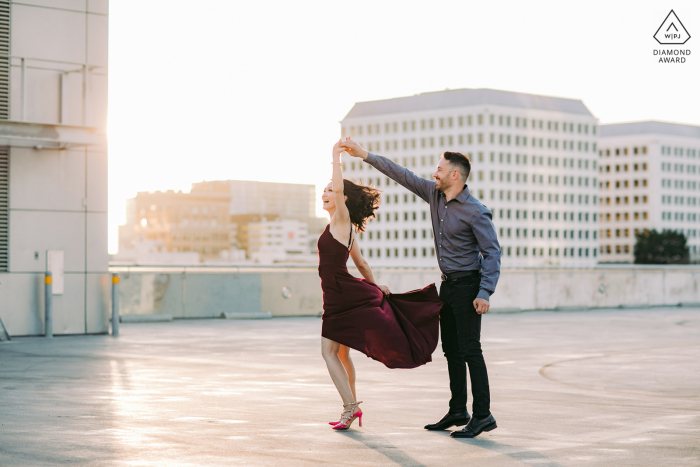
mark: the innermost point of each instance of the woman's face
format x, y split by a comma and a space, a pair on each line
328, 198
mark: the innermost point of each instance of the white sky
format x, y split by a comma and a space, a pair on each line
254, 90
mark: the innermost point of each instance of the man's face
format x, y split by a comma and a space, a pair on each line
444, 175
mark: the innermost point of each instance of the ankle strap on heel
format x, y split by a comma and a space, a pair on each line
350, 406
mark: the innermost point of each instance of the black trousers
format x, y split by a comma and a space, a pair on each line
460, 327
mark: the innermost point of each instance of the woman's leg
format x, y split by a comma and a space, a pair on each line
344, 355
329, 350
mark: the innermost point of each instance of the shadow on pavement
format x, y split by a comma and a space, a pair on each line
384, 447
514, 452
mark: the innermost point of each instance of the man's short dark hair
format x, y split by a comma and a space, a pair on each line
460, 162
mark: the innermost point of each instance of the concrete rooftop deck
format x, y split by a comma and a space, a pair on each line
596, 388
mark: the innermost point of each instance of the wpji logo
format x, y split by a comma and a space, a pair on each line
672, 31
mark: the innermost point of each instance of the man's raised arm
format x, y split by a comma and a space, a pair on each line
401, 175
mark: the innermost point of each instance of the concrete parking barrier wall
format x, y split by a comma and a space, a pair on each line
207, 292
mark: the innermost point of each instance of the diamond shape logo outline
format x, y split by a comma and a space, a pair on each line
672, 24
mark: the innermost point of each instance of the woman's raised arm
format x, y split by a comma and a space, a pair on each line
342, 214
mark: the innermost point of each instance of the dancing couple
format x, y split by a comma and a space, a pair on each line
401, 330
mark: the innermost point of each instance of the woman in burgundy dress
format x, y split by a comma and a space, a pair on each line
399, 330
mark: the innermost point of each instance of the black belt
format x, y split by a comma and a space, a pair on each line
460, 274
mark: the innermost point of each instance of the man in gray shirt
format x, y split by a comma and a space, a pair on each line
469, 257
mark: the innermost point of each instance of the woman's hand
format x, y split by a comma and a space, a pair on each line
354, 149
384, 289
337, 150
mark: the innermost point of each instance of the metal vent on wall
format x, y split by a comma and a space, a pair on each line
4, 60
4, 209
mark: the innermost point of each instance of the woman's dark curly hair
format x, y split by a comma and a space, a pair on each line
362, 202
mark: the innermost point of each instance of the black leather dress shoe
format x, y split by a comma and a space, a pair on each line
450, 419
476, 427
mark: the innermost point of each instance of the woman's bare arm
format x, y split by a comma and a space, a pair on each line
360, 263
363, 266
341, 218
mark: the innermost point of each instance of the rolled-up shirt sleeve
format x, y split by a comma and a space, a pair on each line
401, 175
490, 250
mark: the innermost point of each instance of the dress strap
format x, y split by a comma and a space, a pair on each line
350, 241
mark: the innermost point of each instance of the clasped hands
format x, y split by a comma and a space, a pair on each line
351, 147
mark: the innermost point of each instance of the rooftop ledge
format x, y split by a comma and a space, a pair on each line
49, 135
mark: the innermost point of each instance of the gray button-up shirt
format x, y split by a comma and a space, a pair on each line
465, 238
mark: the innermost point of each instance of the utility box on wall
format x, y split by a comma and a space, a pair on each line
54, 264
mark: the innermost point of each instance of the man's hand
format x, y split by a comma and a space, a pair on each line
354, 149
384, 289
481, 306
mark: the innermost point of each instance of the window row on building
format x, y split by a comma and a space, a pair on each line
501, 176
679, 168
677, 151
623, 200
623, 167
679, 200
687, 184
618, 249
623, 151
618, 233
626, 249
405, 234
609, 184
620, 216
509, 251
552, 198
428, 124
679, 216
544, 215
503, 158
507, 232
541, 179
626, 233
479, 138
398, 252
689, 233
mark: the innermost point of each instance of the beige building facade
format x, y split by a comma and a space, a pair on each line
649, 179
534, 165
53, 164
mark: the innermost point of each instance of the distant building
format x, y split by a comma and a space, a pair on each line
287, 200
184, 222
277, 241
53, 165
649, 179
534, 165
227, 221
255, 202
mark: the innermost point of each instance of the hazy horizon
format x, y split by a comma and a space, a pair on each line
255, 91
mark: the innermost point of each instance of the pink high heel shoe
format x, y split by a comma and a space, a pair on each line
347, 417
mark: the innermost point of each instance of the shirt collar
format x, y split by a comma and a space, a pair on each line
461, 197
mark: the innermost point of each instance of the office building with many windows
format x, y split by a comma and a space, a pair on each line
534, 165
649, 179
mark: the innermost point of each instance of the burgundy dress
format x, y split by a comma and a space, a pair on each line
399, 330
